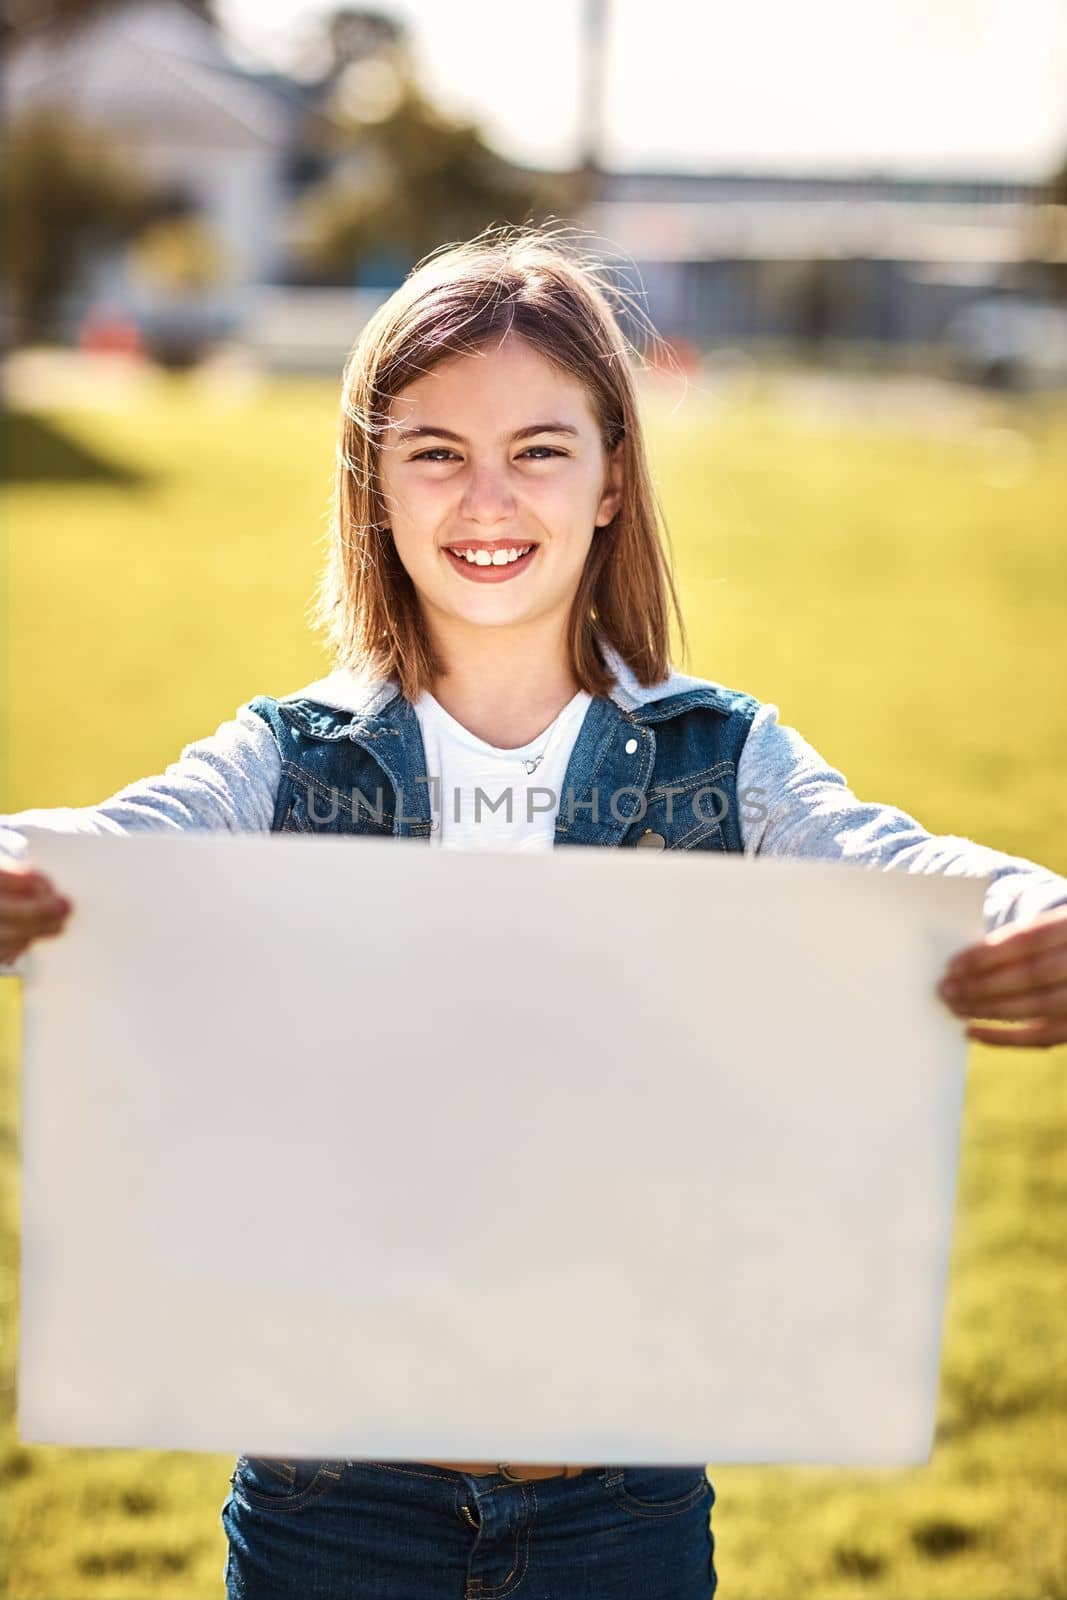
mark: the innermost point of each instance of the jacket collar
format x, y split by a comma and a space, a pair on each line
613, 754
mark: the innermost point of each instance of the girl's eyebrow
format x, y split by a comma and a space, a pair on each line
404, 435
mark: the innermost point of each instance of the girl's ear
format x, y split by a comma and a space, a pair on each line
611, 498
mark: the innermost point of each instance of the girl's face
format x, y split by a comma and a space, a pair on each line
495, 476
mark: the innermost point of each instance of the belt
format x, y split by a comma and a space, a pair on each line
513, 1472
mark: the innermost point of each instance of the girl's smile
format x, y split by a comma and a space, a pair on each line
490, 561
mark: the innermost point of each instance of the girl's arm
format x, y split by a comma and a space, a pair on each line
226, 780
792, 803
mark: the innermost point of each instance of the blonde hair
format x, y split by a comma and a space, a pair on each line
536, 283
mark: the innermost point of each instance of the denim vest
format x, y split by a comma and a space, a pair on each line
662, 774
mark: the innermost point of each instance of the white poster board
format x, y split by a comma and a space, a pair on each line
353, 1148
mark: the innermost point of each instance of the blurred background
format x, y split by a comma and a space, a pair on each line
849, 226
881, 184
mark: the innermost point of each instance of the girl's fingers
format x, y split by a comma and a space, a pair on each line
1049, 1002
19, 917
1026, 975
21, 885
1016, 942
30, 908
24, 936
19, 879
1016, 974
1042, 1033
14, 940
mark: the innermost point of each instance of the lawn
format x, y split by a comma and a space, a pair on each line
894, 577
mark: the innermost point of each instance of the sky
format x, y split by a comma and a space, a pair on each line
956, 87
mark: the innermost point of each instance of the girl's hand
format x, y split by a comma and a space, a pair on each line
30, 909
1017, 973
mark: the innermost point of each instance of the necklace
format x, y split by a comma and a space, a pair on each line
531, 763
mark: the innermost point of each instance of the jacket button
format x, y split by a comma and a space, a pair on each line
631, 746
652, 841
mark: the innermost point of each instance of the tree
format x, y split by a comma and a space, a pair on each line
356, 34
21, 17
63, 188
409, 180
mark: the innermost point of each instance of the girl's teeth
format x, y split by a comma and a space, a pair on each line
498, 558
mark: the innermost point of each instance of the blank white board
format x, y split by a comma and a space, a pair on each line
353, 1148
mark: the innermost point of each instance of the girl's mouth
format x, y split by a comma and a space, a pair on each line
493, 563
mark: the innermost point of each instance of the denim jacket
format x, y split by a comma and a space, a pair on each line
686, 763
664, 773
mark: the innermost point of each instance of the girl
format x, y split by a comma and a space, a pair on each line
498, 600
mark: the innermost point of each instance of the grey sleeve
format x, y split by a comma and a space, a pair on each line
792, 803
227, 780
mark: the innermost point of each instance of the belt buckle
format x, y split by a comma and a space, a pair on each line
513, 1477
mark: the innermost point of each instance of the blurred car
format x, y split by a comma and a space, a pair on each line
180, 334
175, 334
1009, 343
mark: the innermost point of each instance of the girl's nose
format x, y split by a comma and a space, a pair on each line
487, 498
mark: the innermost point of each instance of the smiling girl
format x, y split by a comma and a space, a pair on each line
498, 600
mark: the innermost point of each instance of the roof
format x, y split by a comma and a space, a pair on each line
777, 229
153, 68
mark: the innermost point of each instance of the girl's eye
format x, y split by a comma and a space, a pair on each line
440, 452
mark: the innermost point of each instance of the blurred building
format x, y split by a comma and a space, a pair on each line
816, 260
722, 259
156, 78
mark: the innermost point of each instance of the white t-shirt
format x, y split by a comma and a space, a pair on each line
485, 798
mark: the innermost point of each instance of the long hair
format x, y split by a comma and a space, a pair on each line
537, 284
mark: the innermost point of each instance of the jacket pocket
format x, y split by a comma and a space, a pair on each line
314, 806
689, 814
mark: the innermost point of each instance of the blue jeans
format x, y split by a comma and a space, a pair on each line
403, 1530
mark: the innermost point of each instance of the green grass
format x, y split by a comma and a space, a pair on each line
898, 595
